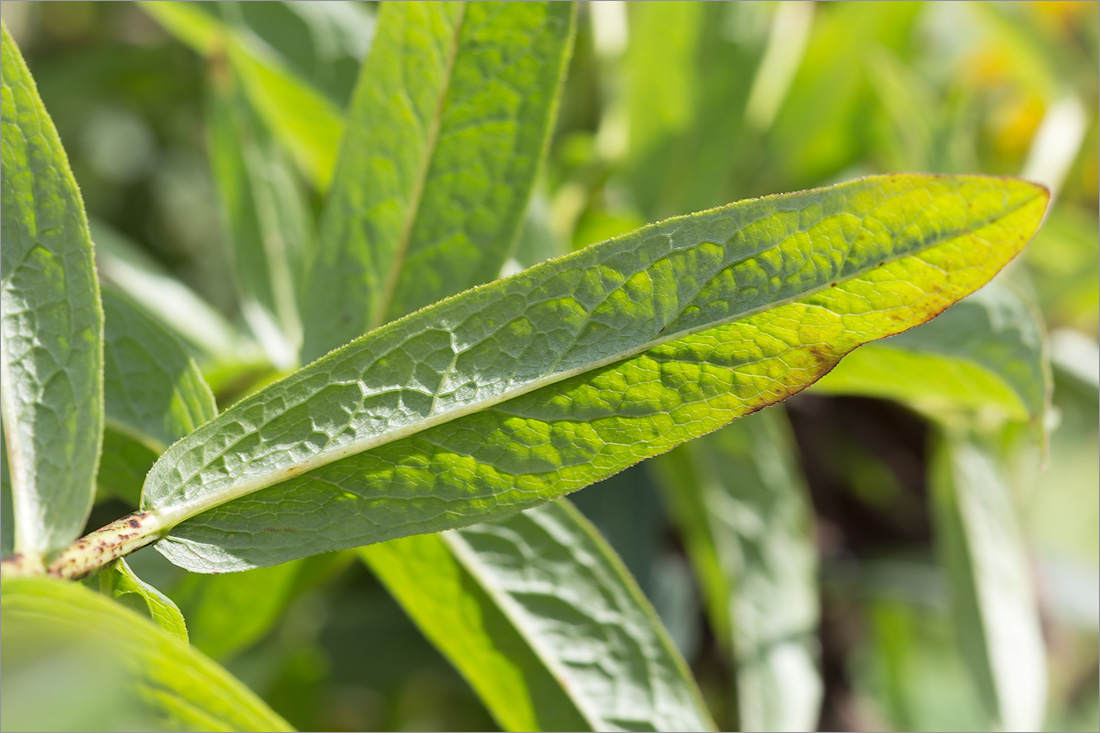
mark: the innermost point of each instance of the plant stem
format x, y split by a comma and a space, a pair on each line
95, 549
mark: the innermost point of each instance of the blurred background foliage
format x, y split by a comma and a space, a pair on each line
672, 108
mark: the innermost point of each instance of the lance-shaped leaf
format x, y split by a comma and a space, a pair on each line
302, 117
541, 617
51, 337
120, 582
744, 512
7, 520
996, 611
515, 393
438, 160
171, 686
155, 395
204, 331
266, 217
986, 352
227, 613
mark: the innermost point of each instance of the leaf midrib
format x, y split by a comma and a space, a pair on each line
468, 559
420, 183
170, 516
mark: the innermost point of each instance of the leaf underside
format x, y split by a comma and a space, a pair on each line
150, 672
51, 336
544, 621
518, 392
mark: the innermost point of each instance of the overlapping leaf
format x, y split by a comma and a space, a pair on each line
744, 513
267, 218
154, 395
986, 352
997, 618
51, 350
205, 332
153, 674
120, 582
544, 621
438, 161
513, 394
304, 119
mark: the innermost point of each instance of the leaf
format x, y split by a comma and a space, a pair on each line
513, 394
831, 89
154, 395
303, 119
172, 685
997, 620
740, 501
119, 582
987, 352
7, 521
438, 163
542, 618
51, 351
266, 216
228, 613
123, 264
323, 44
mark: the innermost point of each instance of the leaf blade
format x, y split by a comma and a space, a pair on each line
544, 413
122, 584
450, 158
996, 612
303, 118
174, 684
51, 352
154, 395
991, 343
266, 217
745, 515
510, 593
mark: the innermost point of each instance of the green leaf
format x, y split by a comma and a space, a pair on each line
306, 121
7, 521
323, 44
438, 163
997, 618
541, 617
166, 681
51, 350
986, 352
739, 500
831, 89
515, 393
154, 395
119, 582
202, 329
266, 215
228, 613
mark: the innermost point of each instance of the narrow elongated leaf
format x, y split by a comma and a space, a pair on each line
323, 44
226, 613
518, 392
120, 582
996, 611
743, 509
123, 264
51, 349
266, 216
986, 352
155, 395
176, 687
438, 162
544, 621
7, 520
305, 120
